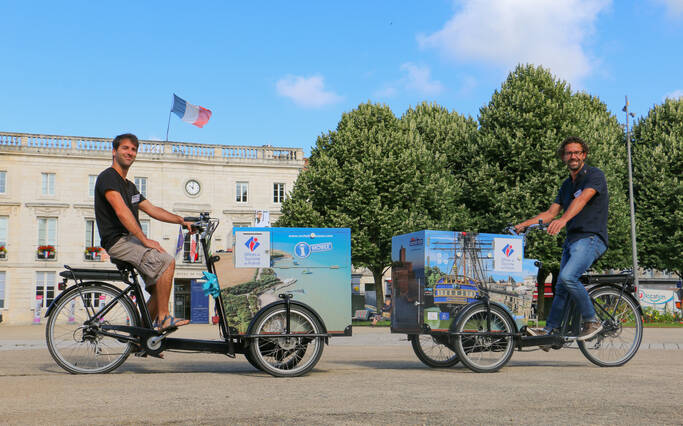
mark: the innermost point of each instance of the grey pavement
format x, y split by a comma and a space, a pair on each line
371, 378
33, 337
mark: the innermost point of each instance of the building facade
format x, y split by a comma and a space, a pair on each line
47, 216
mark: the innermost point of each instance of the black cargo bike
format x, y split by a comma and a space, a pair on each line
93, 325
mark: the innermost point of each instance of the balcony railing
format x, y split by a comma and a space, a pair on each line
46, 252
101, 147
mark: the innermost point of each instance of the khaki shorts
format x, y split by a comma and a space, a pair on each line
149, 262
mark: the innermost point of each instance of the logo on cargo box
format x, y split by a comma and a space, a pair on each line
252, 243
507, 250
302, 249
415, 241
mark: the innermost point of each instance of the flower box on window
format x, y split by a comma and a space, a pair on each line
46, 252
3, 252
93, 253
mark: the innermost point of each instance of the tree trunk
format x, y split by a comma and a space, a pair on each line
379, 287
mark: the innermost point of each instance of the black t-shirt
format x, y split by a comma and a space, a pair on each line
592, 219
109, 225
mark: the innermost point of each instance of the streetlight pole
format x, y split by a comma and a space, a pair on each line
634, 250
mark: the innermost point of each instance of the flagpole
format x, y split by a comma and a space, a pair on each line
169, 121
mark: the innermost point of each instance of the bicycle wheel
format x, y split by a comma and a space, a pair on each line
432, 351
484, 354
79, 348
247, 355
286, 356
622, 333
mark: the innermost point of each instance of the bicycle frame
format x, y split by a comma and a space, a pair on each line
231, 344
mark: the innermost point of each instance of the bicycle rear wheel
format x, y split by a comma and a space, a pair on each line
484, 353
432, 351
622, 330
74, 340
286, 356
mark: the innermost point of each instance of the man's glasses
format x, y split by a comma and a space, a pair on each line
572, 153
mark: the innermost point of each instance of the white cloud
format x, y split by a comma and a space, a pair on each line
387, 92
416, 78
506, 32
306, 92
673, 7
676, 94
419, 79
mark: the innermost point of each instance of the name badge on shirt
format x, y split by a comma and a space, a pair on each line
135, 199
577, 193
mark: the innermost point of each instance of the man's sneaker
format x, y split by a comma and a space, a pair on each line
539, 332
589, 330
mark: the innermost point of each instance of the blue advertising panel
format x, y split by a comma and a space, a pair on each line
312, 264
435, 273
199, 303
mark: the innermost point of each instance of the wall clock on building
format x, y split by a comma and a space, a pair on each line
192, 187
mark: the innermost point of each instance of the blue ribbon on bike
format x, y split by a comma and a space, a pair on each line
211, 285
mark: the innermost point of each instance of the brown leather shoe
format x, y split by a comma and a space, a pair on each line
539, 332
589, 330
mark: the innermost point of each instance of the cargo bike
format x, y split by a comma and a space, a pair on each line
471, 313
93, 325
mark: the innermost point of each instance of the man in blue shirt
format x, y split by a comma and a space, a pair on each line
584, 199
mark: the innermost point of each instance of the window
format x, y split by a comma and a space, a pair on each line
47, 231
47, 237
192, 249
241, 192
278, 192
2, 289
48, 183
144, 225
3, 236
141, 184
3, 182
93, 251
92, 179
45, 287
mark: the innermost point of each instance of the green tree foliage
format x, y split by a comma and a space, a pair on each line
378, 176
515, 172
658, 167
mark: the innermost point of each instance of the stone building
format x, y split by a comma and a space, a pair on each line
47, 215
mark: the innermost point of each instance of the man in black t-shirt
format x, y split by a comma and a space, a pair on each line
583, 197
117, 202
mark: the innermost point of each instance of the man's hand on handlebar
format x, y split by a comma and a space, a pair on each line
189, 226
519, 228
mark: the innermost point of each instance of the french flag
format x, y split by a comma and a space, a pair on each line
189, 113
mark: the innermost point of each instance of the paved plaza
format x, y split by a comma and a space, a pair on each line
370, 378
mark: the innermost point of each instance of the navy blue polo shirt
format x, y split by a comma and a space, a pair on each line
592, 219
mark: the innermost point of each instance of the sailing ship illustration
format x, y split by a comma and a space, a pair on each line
467, 276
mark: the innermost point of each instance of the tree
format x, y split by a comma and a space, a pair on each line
515, 173
657, 170
378, 177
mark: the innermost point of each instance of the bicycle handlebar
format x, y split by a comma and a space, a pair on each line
510, 229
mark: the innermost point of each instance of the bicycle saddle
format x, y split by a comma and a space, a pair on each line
121, 265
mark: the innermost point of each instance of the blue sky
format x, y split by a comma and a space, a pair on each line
281, 73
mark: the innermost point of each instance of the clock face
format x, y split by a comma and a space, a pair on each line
192, 187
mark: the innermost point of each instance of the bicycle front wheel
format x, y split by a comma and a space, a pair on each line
487, 349
73, 335
433, 351
286, 356
622, 330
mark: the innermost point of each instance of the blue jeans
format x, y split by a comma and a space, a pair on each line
577, 257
